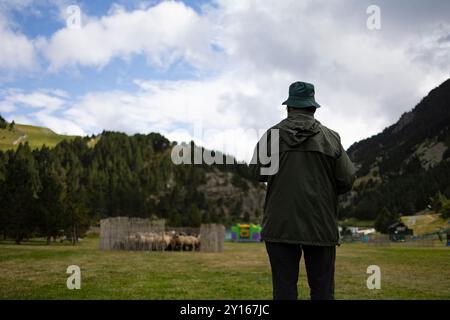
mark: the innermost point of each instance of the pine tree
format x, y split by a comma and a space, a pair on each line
76, 212
194, 217
51, 195
21, 187
3, 123
384, 220
3, 211
445, 211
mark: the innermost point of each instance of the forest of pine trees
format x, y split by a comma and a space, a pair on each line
402, 184
49, 192
405, 194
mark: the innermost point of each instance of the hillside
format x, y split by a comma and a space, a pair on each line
35, 136
83, 179
400, 168
406, 164
134, 175
425, 223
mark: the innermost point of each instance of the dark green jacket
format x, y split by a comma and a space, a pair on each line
301, 200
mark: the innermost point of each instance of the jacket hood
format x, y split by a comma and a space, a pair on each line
298, 127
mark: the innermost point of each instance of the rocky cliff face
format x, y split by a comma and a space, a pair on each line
406, 164
241, 201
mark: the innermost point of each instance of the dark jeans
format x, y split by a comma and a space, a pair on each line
285, 263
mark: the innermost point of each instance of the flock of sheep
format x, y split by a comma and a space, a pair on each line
162, 241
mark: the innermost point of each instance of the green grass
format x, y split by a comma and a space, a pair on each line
421, 223
425, 223
35, 136
36, 271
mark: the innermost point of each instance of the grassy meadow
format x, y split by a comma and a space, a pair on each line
36, 271
424, 223
35, 136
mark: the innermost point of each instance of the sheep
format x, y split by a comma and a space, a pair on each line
167, 240
189, 243
185, 242
175, 242
160, 241
148, 241
128, 242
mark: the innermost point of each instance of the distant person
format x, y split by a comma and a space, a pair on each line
300, 210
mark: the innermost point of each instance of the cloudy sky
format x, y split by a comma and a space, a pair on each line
217, 71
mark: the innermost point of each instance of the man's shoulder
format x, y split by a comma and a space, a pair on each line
329, 141
325, 133
331, 133
278, 125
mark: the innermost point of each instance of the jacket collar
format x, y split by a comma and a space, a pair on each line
300, 114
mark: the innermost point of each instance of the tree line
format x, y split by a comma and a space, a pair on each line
404, 194
63, 190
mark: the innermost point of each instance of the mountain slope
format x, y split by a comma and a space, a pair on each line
121, 175
407, 163
426, 222
400, 169
35, 136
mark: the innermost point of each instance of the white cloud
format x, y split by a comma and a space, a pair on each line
432, 48
178, 109
364, 79
17, 52
163, 33
61, 126
50, 100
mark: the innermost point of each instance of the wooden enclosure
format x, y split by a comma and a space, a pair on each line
212, 237
124, 233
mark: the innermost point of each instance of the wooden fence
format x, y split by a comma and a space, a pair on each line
114, 230
212, 237
115, 234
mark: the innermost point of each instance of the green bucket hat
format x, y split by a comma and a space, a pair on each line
301, 95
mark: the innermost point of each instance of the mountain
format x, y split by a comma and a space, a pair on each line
12, 136
114, 174
404, 166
